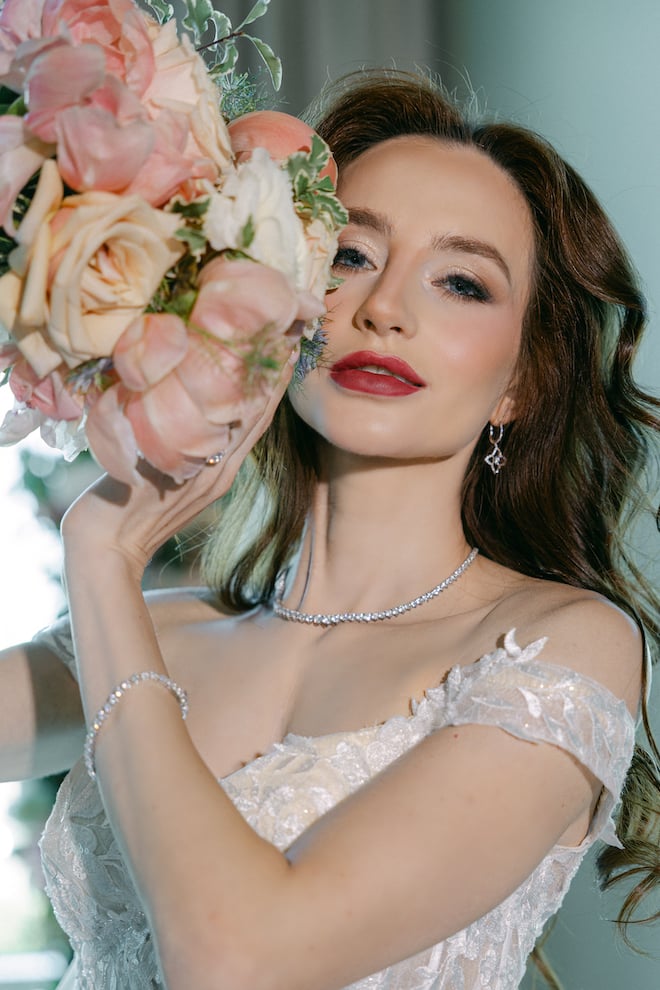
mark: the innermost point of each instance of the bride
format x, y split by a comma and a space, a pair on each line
416, 672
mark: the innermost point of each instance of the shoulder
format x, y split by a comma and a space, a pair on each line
583, 631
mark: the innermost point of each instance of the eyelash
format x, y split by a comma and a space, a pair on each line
461, 287
350, 258
464, 288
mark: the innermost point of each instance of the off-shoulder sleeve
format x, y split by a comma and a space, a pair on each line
543, 702
58, 639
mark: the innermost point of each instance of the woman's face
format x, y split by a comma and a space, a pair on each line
436, 265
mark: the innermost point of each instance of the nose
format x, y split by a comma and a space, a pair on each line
386, 308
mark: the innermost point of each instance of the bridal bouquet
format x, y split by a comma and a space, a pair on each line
157, 261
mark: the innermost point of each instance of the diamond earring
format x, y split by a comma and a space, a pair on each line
496, 459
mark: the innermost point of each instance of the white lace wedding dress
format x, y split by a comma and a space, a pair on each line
284, 791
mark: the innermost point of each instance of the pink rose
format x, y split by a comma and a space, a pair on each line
119, 27
105, 83
181, 386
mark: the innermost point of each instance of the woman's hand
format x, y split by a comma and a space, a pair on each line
135, 520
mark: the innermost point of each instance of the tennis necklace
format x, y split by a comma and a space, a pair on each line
337, 618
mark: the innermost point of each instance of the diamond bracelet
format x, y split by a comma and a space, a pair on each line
114, 698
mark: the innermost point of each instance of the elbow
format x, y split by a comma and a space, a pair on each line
217, 962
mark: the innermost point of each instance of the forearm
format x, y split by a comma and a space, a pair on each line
182, 838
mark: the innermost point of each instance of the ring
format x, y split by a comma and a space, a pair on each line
215, 458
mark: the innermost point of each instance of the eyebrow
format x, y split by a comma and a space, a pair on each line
364, 217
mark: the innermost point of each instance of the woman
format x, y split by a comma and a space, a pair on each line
474, 394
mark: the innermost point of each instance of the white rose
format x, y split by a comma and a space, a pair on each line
256, 197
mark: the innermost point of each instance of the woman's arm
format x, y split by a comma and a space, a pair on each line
433, 843
41, 720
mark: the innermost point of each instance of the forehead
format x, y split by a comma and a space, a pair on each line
428, 187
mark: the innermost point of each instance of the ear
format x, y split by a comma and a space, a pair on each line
505, 410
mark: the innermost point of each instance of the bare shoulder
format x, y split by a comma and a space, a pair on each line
584, 631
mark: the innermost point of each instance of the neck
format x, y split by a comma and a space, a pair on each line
379, 533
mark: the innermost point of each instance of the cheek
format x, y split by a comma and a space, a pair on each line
483, 347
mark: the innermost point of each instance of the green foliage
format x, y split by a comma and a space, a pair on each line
242, 94
315, 197
271, 61
195, 239
11, 103
212, 34
248, 232
193, 210
162, 10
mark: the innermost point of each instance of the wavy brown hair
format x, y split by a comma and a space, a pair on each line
578, 449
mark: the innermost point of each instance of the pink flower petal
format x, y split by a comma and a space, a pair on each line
20, 157
149, 349
171, 432
49, 395
95, 152
110, 436
240, 298
63, 76
9, 354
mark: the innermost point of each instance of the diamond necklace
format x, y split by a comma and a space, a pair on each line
325, 619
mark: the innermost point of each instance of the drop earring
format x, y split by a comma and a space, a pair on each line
495, 459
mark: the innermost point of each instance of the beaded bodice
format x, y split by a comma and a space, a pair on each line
288, 788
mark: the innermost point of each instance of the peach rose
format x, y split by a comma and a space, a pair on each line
109, 254
80, 279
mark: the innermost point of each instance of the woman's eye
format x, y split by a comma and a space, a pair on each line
349, 257
465, 288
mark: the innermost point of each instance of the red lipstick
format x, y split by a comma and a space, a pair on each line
376, 374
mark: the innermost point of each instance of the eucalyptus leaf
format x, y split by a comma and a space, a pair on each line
259, 9
273, 64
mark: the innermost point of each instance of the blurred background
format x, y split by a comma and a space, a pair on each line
586, 75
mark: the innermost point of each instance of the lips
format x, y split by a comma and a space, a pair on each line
376, 374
